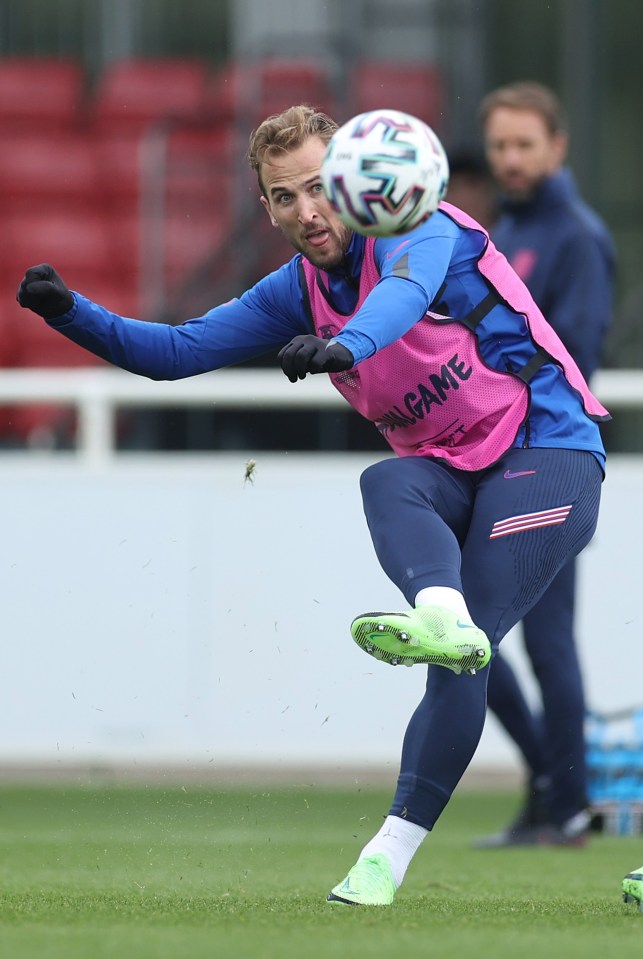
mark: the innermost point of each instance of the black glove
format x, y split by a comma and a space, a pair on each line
312, 354
43, 291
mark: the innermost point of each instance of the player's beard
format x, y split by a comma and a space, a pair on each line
519, 187
331, 254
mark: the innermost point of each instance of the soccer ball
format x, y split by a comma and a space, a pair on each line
384, 172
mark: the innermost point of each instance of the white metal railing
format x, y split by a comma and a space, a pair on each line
98, 393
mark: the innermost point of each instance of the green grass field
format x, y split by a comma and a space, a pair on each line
134, 872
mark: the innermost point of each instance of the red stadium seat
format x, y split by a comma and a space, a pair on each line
58, 172
131, 94
284, 82
189, 240
258, 88
118, 159
191, 155
413, 87
163, 254
200, 168
78, 244
40, 95
174, 220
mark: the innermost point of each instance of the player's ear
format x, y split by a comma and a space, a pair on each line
560, 143
266, 206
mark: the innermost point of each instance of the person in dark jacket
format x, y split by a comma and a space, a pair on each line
564, 253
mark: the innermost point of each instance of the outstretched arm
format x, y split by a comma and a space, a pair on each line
263, 319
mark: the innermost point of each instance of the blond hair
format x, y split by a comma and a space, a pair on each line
286, 131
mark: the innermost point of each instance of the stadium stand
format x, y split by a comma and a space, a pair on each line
135, 186
248, 91
24, 107
72, 185
50, 172
380, 83
131, 94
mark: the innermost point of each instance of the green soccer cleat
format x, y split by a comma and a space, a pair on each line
369, 883
428, 634
633, 887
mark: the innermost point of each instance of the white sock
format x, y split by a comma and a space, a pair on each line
444, 596
399, 840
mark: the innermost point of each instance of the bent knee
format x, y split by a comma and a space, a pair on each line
376, 476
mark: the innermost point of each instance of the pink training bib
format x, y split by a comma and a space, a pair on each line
429, 393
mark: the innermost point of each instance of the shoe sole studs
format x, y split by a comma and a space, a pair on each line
365, 639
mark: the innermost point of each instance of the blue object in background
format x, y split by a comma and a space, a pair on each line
615, 769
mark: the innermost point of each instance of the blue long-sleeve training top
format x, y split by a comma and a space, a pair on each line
439, 257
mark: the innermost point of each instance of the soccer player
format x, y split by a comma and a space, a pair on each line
564, 254
497, 480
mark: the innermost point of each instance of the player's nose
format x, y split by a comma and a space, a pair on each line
306, 210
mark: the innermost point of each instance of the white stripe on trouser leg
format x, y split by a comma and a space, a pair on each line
516, 524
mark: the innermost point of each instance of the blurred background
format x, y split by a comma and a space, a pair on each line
124, 125
138, 582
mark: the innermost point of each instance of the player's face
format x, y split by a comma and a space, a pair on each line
521, 151
296, 203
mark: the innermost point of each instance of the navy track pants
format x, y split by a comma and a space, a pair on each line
500, 536
553, 744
